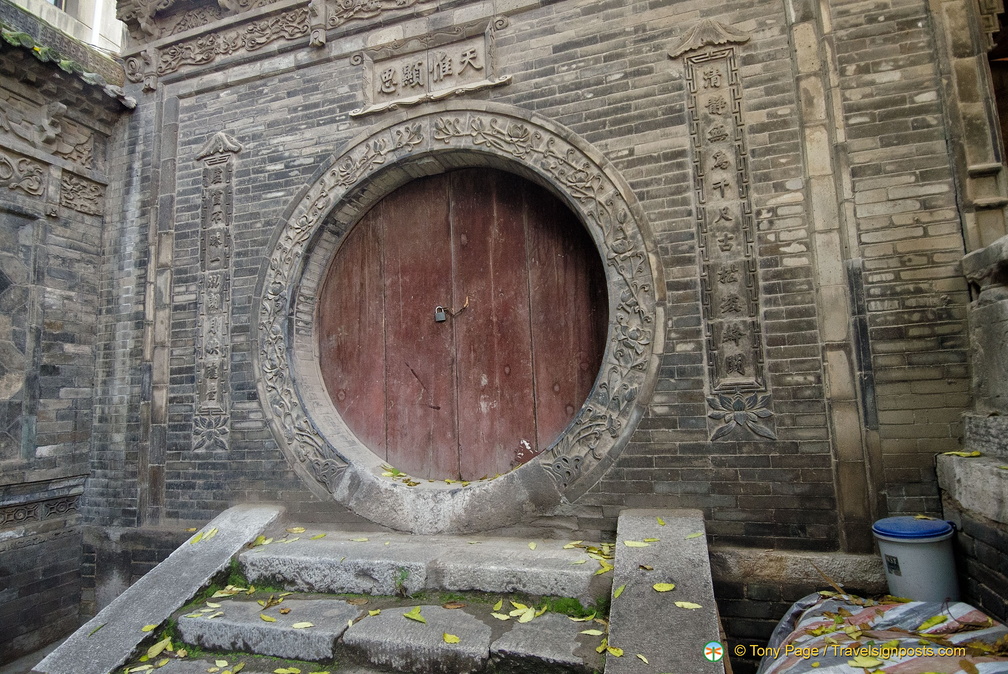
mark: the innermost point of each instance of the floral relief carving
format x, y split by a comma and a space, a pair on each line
148, 65
606, 416
82, 195
313, 20
17, 173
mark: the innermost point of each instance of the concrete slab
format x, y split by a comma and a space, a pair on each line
108, 640
390, 640
392, 563
550, 644
646, 622
241, 628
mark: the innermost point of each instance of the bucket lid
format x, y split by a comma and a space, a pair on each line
906, 526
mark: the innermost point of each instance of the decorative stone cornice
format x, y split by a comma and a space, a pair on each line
220, 143
708, 33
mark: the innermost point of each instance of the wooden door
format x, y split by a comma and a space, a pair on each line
495, 383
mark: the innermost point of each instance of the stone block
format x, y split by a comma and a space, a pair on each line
550, 644
391, 640
641, 613
108, 639
241, 628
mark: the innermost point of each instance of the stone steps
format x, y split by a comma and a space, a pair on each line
389, 574
392, 563
349, 635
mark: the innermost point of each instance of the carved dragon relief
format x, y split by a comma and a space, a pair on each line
606, 416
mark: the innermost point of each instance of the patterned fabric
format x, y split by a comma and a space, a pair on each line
827, 633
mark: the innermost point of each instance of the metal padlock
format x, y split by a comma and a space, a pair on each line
439, 314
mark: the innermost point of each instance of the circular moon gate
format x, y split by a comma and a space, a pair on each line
331, 460
461, 324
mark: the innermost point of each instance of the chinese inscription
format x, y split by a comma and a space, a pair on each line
430, 67
213, 335
725, 222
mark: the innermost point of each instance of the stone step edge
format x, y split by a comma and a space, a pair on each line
271, 634
382, 570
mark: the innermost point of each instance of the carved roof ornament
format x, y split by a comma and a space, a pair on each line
219, 144
708, 33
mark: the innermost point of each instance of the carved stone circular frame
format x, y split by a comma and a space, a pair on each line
310, 432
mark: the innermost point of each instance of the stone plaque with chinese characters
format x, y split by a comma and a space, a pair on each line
455, 61
726, 230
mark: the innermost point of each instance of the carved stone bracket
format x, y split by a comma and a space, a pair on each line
726, 231
333, 459
46, 128
211, 422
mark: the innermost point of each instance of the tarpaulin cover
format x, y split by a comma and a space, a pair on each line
843, 633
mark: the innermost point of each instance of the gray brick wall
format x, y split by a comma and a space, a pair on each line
603, 71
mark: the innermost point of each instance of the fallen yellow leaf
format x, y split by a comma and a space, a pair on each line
695, 534
501, 616
147, 628
221, 663
374, 612
296, 530
158, 648
572, 544
663, 587
661, 522
527, 616
360, 540
499, 605
965, 455
612, 650
267, 618
687, 605
450, 638
593, 633
931, 622
532, 546
316, 537
302, 626
864, 662
643, 659
618, 591
635, 544
414, 614
582, 620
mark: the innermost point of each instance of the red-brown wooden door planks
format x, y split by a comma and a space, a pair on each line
420, 352
497, 381
352, 331
496, 400
569, 314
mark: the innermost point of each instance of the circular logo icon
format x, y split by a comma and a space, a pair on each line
713, 651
